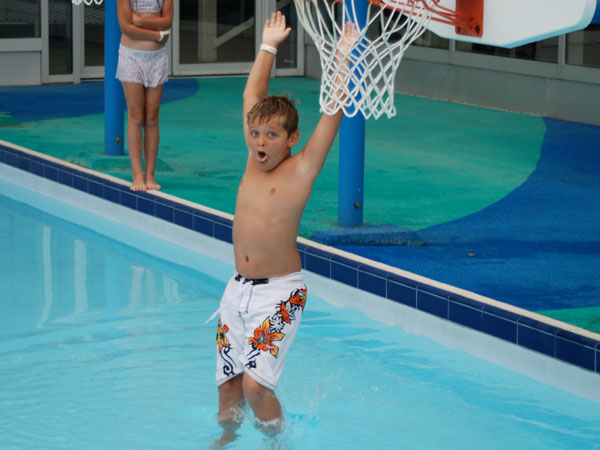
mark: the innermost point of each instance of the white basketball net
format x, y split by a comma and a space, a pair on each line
391, 26
87, 2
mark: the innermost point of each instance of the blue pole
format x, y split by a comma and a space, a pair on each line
114, 99
352, 149
351, 171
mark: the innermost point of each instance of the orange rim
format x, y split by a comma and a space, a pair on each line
467, 18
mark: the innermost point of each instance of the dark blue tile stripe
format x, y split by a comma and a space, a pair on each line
344, 274
432, 304
499, 326
495, 321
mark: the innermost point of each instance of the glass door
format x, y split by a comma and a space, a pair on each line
290, 55
92, 41
214, 36
209, 37
220, 37
60, 36
60, 40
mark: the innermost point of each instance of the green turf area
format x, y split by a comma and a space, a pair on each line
586, 318
432, 163
7, 120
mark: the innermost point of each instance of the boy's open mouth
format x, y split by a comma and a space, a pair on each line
261, 156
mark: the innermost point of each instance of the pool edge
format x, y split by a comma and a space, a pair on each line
552, 338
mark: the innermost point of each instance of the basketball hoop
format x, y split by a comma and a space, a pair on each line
87, 2
391, 26
374, 57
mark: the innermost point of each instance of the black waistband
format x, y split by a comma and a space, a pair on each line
252, 281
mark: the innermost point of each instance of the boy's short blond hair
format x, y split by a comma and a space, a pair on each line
273, 106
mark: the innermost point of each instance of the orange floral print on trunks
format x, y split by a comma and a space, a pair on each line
271, 329
221, 338
224, 347
263, 338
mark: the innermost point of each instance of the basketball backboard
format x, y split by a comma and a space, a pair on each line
510, 23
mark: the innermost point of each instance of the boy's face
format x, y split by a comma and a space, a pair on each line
270, 143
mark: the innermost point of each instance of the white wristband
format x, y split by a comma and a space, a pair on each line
163, 33
268, 48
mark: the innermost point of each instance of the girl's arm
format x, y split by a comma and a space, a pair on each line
129, 29
152, 22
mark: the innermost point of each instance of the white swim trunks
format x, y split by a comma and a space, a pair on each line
259, 320
149, 68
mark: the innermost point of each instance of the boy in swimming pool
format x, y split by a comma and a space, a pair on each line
263, 302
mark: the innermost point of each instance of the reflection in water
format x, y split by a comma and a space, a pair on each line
136, 294
79, 277
122, 359
47, 273
71, 279
147, 289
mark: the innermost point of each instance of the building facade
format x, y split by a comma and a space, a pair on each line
54, 41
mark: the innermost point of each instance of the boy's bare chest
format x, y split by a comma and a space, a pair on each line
264, 194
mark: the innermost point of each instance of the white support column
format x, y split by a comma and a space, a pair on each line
207, 30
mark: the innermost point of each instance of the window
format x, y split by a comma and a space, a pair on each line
60, 18
93, 24
20, 19
546, 50
429, 39
214, 31
583, 47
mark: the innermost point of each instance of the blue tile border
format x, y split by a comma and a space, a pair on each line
433, 301
496, 321
499, 323
318, 261
343, 271
465, 311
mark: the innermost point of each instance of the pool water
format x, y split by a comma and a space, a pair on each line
104, 346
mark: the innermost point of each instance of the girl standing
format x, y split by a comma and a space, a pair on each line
143, 70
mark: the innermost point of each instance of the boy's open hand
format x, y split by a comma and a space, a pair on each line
275, 31
347, 39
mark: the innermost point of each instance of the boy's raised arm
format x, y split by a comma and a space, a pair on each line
257, 86
315, 152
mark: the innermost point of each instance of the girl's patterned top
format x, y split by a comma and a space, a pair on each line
146, 5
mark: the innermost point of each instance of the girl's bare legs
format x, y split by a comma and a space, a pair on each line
135, 97
151, 134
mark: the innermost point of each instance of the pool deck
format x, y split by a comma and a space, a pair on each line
500, 204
